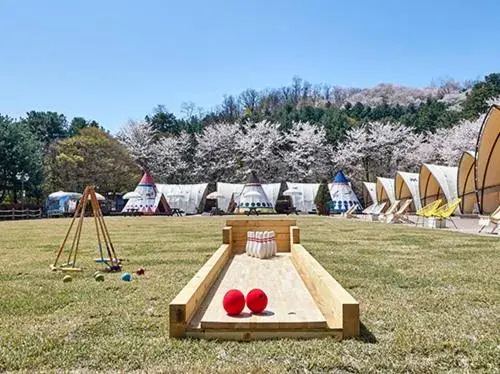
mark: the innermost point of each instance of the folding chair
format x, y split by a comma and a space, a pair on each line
447, 210
428, 210
493, 218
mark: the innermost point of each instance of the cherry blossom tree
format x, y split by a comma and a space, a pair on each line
378, 149
139, 138
308, 158
216, 156
171, 163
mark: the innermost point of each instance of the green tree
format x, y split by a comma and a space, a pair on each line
91, 157
78, 123
476, 102
20, 153
323, 198
46, 126
163, 121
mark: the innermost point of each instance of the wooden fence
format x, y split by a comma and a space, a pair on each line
20, 214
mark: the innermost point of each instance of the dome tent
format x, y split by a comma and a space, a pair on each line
407, 187
487, 166
151, 200
254, 196
438, 182
465, 179
343, 196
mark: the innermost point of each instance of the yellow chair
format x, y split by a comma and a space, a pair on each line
428, 210
447, 210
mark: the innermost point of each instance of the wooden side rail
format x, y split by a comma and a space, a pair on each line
337, 305
183, 307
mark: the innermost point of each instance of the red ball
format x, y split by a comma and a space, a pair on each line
234, 302
256, 300
140, 271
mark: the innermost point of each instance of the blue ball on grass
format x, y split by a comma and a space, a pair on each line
127, 277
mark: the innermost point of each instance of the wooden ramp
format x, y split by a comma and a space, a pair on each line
290, 303
305, 301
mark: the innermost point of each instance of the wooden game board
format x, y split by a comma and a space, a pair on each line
304, 299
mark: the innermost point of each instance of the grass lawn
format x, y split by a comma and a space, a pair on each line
429, 300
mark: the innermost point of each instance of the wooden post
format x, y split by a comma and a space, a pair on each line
294, 236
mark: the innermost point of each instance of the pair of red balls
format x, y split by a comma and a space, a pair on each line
234, 301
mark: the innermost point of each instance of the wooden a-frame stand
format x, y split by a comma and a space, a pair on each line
112, 262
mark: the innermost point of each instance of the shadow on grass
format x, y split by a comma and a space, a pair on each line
366, 335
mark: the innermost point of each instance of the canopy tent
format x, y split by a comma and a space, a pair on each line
61, 203
385, 191
228, 191
305, 201
487, 169
188, 197
253, 195
151, 201
342, 194
437, 182
465, 183
370, 193
407, 187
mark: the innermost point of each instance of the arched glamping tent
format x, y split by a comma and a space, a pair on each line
437, 182
465, 187
370, 193
406, 187
487, 170
385, 191
342, 194
253, 196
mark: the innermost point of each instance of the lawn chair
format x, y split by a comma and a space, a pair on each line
349, 213
401, 215
369, 209
373, 215
494, 218
428, 210
390, 211
447, 210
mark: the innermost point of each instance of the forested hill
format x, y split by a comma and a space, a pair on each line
337, 109
293, 132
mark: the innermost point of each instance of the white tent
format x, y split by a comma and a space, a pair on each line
370, 193
407, 187
305, 201
187, 197
342, 194
272, 191
254, 196
150, 201
385, 190
438, 182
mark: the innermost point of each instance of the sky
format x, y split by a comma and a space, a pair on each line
112, 60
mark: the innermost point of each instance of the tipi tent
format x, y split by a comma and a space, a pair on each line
466, 188
385, 191
487, 169
151, 200
230, 191
437, 182
188, 197
342, 194
254, 196
304, 201
370, 193
407, 187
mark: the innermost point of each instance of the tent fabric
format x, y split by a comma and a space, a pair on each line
342, 194
227, 190
305, 201
188, 197
370, 193
465, 183
487, 168
385, 190
438, 182
253, 195
407, 187
151, 200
